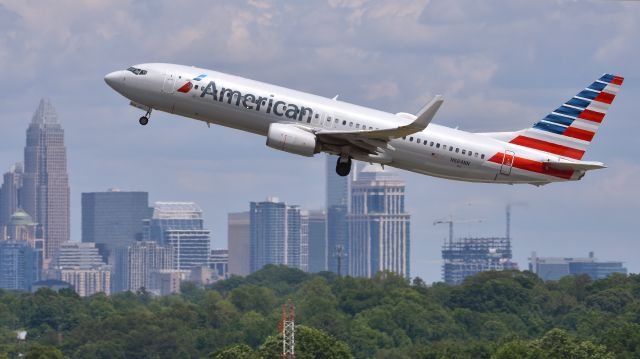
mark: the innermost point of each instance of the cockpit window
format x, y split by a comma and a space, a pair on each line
137, 71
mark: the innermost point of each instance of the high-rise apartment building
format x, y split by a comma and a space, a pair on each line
20, 265
136, 263
277, 235
219, 263
180, 225
45, 184
378, 224
113, 219
317, 223
81, 265
239, 239
10, 193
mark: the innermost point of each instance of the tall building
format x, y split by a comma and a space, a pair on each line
113, 219
45, 185
20, 265
239, 238
180, 225
378, 224
465, 257
10, 193
136, 263
277, 235
317, 241
554, 268
81, 265
219, 262
338, 205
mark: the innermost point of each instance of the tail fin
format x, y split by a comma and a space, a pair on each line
569, 129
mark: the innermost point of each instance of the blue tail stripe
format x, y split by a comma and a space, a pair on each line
607, 78
568, 111
545, 126
598, 86
587, 94
578, 102
559, 119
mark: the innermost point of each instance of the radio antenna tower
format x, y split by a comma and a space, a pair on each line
288, 330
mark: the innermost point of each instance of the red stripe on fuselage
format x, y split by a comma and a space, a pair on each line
579, 133
532, 166
548, 147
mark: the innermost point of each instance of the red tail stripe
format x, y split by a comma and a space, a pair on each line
533, 166
617, 80
592, 116
548, 147
605, 97
579, 133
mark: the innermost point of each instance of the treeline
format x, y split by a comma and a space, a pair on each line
492, 315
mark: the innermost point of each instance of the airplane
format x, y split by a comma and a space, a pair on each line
305, 124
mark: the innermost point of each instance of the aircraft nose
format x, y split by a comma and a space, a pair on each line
115, 79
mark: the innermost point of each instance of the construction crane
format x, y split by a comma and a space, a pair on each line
450, 222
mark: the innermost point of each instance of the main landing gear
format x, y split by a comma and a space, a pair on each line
343, 166
145, 119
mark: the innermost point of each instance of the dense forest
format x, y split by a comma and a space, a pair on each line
492, 315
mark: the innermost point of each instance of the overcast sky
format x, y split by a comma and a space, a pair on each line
501, 64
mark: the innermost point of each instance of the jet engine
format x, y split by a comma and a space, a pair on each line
291, 138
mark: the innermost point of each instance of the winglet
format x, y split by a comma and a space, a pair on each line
425, 115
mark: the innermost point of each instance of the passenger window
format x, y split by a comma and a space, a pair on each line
357, 125
437, 145
336, 120
450, 148
404, 137
457, 150
470, 153
464, 152
370, 128
196, 87
411, 139
425, 142
417, 140
482, 156
350, 124
476, 154
431, 144
344, 123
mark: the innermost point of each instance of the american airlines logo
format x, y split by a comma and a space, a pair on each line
250, 101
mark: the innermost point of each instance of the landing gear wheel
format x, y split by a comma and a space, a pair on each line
144, 120
343, 166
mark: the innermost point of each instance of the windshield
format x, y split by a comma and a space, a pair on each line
137, 71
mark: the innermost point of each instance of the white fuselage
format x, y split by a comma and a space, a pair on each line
437, 151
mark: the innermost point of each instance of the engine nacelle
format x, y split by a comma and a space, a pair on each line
290, 138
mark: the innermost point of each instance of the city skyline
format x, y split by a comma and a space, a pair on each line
390, 56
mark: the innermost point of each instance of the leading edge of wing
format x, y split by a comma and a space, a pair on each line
421, 122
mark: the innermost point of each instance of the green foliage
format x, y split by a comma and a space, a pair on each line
43, 352
491, 315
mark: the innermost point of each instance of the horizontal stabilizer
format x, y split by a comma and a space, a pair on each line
575, 165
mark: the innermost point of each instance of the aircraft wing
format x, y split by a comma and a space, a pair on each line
375, 141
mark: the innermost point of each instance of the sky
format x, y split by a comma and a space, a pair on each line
501, 65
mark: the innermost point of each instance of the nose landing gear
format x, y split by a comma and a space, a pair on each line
343, 166
145, 119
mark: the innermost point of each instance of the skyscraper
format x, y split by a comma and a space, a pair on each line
180, 225
239, 238
45, 189
317, 241
136, 263
378, 224
20, 265
113, 219
81, 265
277, 235
338, 204
10, 193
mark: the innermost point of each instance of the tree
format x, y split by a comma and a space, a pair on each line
311, 343
237, 351
43, 352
